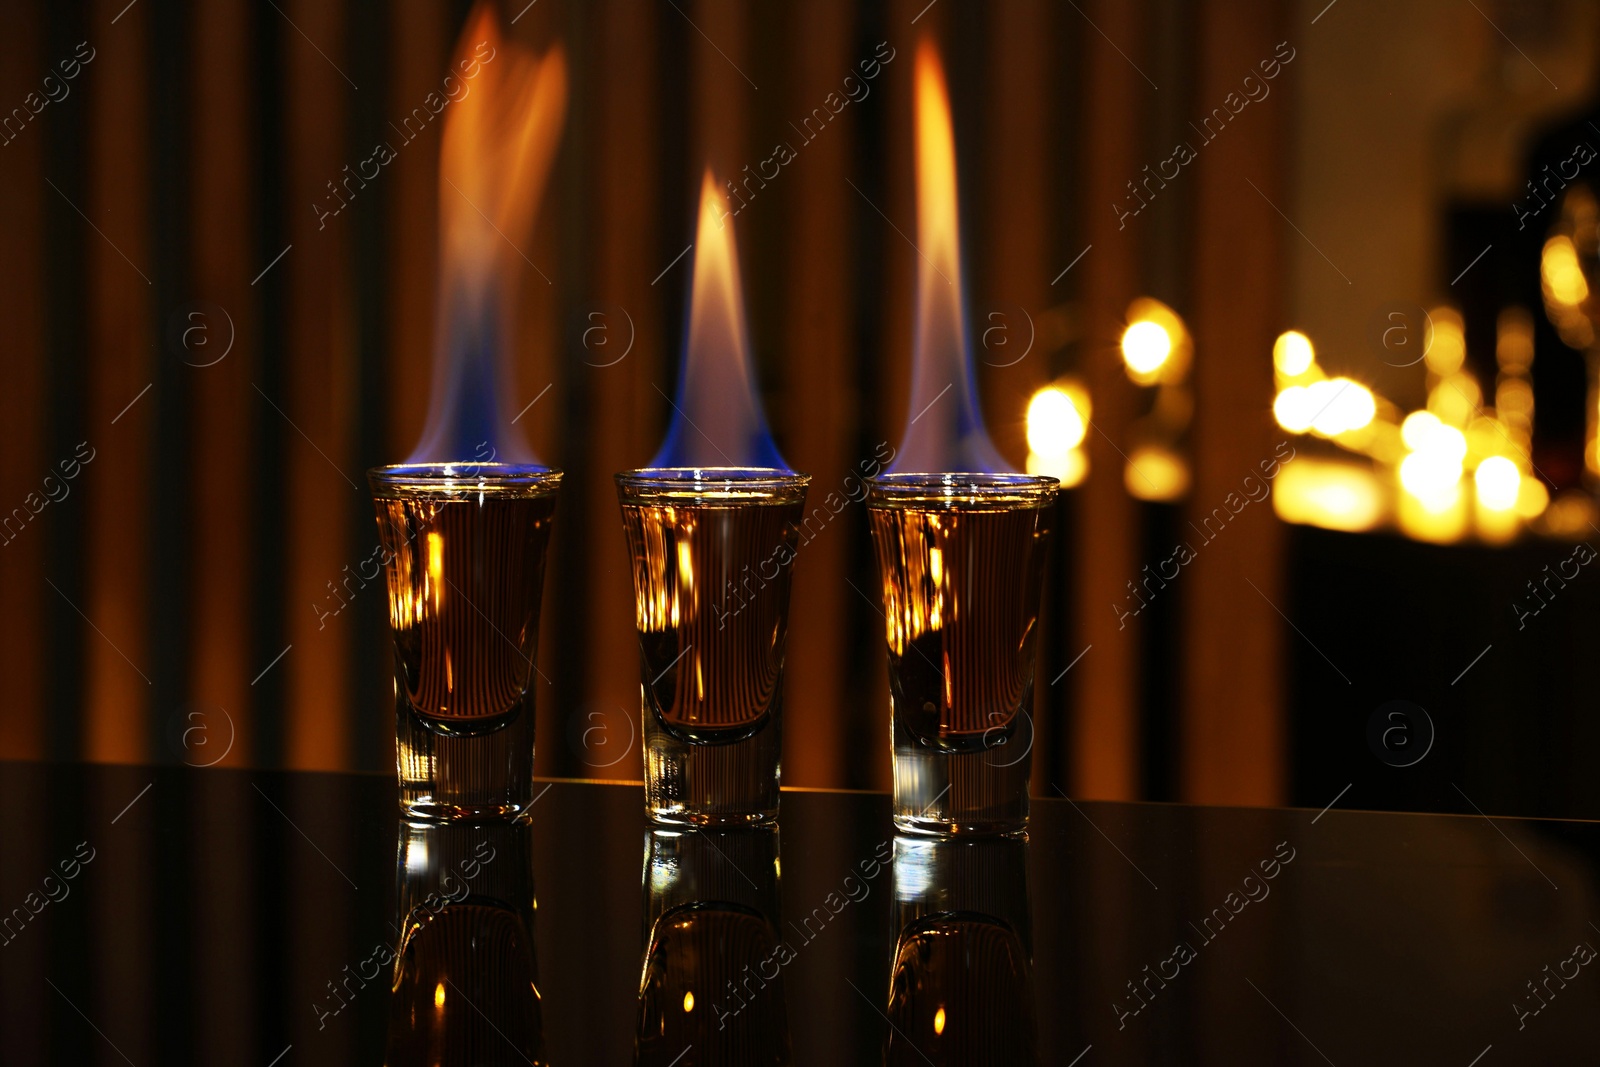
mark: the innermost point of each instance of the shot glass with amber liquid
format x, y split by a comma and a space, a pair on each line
961, 562
712, 552
464, 552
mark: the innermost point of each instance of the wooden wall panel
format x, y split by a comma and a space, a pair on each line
119, 267
22, 396
223, 401
421, 42
887, 202
1104, 739
820, 719
1234, 744
1016, 269
630, 219
320, 379
719, 67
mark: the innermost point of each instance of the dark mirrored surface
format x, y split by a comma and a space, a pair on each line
176, 916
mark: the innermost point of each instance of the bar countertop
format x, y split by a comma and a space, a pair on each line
174, 915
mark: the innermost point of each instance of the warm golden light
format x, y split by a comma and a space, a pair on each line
1069, 469
438, 997
1423, 431
1431, 473
1440, 521
1561, 273
1456, 398
1328, 493
1532, 499
1433, 478
1156, 473
1155, 344
1055, 425
1447, 348
938, 1020
1418, 428
1292, 354
688, 1002
1330, 407
436, 568
1145, 347
1498, 482
1340, 405
1293, 409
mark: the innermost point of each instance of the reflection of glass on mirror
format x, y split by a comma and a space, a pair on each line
712, 974
961, 984
466, 982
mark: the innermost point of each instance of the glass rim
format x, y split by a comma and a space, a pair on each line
956, 486
698, 483
460, 476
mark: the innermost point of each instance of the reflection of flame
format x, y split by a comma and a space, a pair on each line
717, 419
945, 432
500, 135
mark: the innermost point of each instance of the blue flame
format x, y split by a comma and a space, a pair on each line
717, 417
468, 420
944, 430
496, 148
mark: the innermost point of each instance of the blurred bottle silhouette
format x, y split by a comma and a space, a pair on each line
466, 981
711, 992
961, 984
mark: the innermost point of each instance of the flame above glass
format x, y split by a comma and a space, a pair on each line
717, 417
945, 431
500, 137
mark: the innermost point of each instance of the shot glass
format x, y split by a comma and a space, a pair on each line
961, 561
464, 550
711, 550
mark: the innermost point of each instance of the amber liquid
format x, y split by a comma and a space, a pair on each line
961, 590
465, 576
711, 600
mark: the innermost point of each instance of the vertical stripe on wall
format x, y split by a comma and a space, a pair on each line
822, 404
119, 300
213, 334
1104, 733
624, 408
321, 474
1234, 729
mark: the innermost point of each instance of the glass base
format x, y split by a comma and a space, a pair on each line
461, 776
427, 809
954, 794
688, 783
